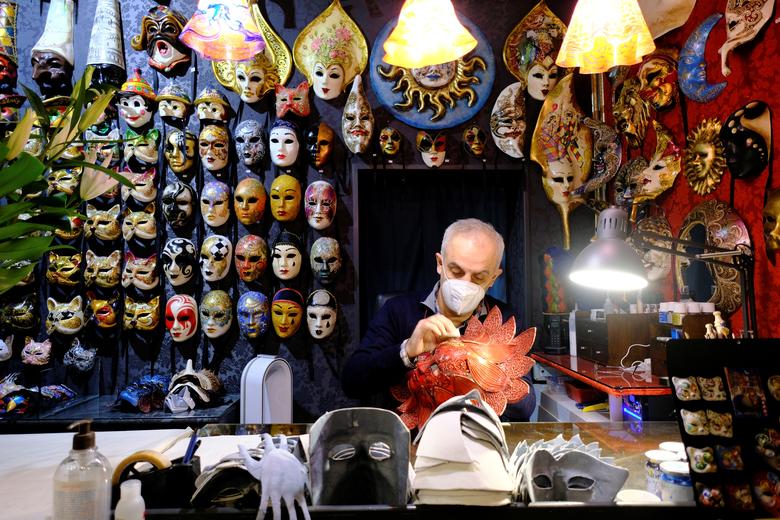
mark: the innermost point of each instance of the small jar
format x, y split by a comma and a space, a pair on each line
676, 484
653, 470
663, 313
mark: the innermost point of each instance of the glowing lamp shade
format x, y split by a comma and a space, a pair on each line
603, 34
428, 33
609, 263
223, 30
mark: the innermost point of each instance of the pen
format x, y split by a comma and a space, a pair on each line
191, 447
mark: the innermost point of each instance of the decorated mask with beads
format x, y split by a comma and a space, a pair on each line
216, 313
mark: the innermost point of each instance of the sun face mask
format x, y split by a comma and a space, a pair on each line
36, 353
744, 20
251, 257
160, 30
658, 78
249, 201
66, 318
319, 143
704, 157
285, 198
80, 358
63, 269
295, 100
254, 314
771, 220
320, 205
390, 141
137, 101
474, 139
177, 201
181, 317
144, 186
174, 105
140, 272
286, 312
507, 120
432, 148
142, 316
284, 144
212, 106
216, 254
357, 121
746, 135
180, 152
179, 261
325, 259
250, 142
140, 224
216, 313
215, 203
103, 312
213, 147
286, 258
321, 314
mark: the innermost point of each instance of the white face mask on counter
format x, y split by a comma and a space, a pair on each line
461, 296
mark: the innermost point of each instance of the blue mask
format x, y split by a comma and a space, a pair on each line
254, 315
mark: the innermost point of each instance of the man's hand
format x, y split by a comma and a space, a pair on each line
428, 333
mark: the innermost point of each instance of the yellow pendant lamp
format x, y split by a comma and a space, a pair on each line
223, 30
428, 33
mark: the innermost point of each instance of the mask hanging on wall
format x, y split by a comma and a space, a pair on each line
321, 204
286, 312
607, 155
632, 112
179, 261
250, 143
390, 141
36, 353
52, 54
214, 145
251, 257
746, 137
140, 224
63, 269
744, 21
657, 264
177, 204
295, 100
65, 180
215, 203
10, 100
658, 78
474, 139
251, 81
103, 312
181, 317
140, 272
137, 101
284, 143
771, 219
180, 152
507, 121
212, 106
143, 316
79, 358
144, 186
174, 105
432, 148
704, 157
103, 224
254, 314
22, 315
66, 318
319, 144
693, 67
325, 259
357, 121
660, 173
140, 150
111, 148
6, 348
216, 313
216, 255
330, 51
249, 201
160, 30
321, 314
285, 198
103, 271
286, 257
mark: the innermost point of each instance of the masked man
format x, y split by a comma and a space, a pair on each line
408, 325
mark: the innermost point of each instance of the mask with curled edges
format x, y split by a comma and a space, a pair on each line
107, 145
213, 147
285, 198
286, 312
357, 120
320, 207
632, 112
140, 224
215, 203
325, 259
160, 30
390, 141
141, 315
103, 271
321, 314
432, 148
79, 358
36, 353
212, 106
181, 317
295, 100
66, 318
771, 220
250, 142
180, 152
177, 204
216, 313
474, 139
251, 257
319, 144
103, 312
249, 201
63, 270
140, 272
254, 77
179, 261
174, 105
254, 314
144, 186
216, 254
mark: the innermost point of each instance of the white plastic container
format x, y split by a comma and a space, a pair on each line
653, 468
131, 504
676, 484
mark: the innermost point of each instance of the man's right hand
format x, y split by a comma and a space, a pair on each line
428, 333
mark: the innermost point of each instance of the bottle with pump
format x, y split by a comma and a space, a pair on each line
82, 482
131, 504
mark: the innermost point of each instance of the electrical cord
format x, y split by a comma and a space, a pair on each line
636, 364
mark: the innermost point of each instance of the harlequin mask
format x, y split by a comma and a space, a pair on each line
103, 312
743, 22
250, 142
177, 199
746, 136
140, 224
36, 353
22, 315
771, 218
80, 358
140, 315
180, 151
140, 272
65, 318
286, 312
286, 256
137, 101
321, 314
295, 100
251, 257
181, 317
658, 78
52, 73
212, 105
144, 186
107, 145
249, 201
252, 78
179, 260
319, 143
474, 140
160, 30
213, 143
174, 105
389, 140
507, 120
632, 112
63, 269
65, 180
284, 144
215, 203
254, 314
285, 198
432, 149
321, 203
663, 168
216, 313
216, 254
357, 121
325, 259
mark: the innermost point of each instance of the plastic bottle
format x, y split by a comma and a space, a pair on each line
131, 504
82, 482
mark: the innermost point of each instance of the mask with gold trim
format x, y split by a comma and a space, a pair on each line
66, 318
251, 257
658, 78
432, 148
103, 224
141, 315
22, 315
140, 224
216, 313
287, 312
662, 169
249, 201
215, 203
103, 271
140, 272
141, 149
705, 158
216, 254
474, 139
214, 146
64, 180
63, 269
160, 30
285, 198
254, 314
632, 112
144, 185
103, 312
253, 78
390, 140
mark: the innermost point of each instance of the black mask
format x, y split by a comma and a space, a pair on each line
52, 73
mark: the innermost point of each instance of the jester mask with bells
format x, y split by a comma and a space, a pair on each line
295, 100
746, 136
249, 138
330, 51
390, 141
531, 48
212, 106
137, 101
474, 140
507, 120
286, 312
285, 198
249, 201
432, 148
657, 264
103, 271
744, 19
284, 143
321, 314
177, 204
325, 259
562, 146
319, 144
658, 78
771, 218
216, 313
213, 144
254, 314
179, 261
215, 203
216, 254
140, 272
251, 257
160, 30
174, 105
286, 257
660, 173
66, 318
357, 121
320, 208
180, 152
181, 317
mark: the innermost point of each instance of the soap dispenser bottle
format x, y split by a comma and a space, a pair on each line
82, 482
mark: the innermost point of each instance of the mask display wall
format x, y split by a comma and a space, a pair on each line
66, 318
250, 142
216, 313
432, 148
160, 30
704, 157
507, 120
693, 67
294, 100
390, 141
177, 204
181, 317
254, 314
251, 257
325, 259
140, 224
285, 198
321, 314
746, 136
330, 51
321, 202
52, 55
286, 257
174, 105
286, 312
214, 147
212, 106
249, 201
215, 203
658, 78
179, 261
357, 121
284, 143
180, 152
137, 101
744, 20
216, 254
771, 219
319, 144
657, 264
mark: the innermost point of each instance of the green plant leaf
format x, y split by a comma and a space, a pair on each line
108, 171
10, 276
22, 228
92, 113
20, 135
31, 248
23, 171
13, 210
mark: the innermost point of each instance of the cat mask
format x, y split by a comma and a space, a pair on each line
103, 224
63, 269
140, 224
65, 318
80, 358
36, 353
140, 272
102, 312
295, 100
140, 315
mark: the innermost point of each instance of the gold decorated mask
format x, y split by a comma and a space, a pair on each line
144, 186
141, 149
285, 198
474, 140
389, 141
70, 230
64, 181
103, 224
22, 315
65, 318
180, 151
63, 269
102, 271
658, 78
357, 121
663, 168
216, 313
140, 224
102, 312
140, 315
319, 143
705, 157
216, 254
249, 201
771, 217
140, 272
631, 112
213, 143
287, 312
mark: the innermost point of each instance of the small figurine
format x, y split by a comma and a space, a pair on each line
720, 326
